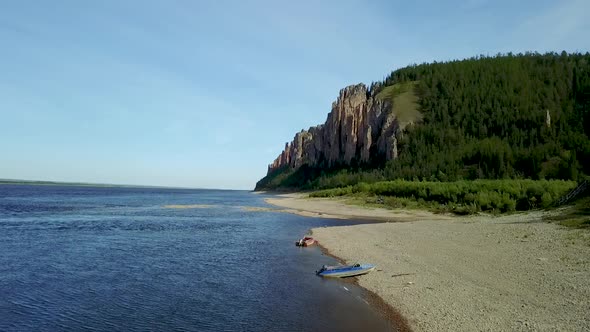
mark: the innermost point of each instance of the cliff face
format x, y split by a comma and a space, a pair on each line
359, 127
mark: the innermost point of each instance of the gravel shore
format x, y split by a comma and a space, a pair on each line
479, 273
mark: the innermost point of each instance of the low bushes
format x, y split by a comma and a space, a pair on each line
465, 196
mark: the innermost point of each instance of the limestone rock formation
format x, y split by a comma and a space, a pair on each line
360, 127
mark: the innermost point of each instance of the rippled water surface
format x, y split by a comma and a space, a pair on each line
84, 258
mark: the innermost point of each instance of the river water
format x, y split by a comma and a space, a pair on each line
136, 259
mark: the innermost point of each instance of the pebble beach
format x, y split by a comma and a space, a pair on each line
476, 273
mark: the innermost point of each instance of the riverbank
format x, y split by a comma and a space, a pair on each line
478, 273
335, 208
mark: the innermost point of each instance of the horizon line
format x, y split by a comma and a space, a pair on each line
93, 184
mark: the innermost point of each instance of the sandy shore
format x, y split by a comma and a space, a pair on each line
481, 273
336, 209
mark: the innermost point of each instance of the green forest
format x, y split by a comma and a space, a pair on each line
511, 116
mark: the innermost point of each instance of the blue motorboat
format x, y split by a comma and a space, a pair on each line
345, 270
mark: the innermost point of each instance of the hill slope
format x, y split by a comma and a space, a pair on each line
509, 116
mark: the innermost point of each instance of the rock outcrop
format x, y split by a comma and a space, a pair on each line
359, 129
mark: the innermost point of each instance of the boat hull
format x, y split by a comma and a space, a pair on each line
346, 271
308, 243
305, 242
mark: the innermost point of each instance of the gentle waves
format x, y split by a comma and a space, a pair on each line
137, 259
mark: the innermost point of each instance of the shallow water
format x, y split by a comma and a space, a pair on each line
135, 259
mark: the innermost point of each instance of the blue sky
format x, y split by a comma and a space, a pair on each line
206, 93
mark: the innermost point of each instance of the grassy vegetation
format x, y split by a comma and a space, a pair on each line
575, 216
461, 197
404, 101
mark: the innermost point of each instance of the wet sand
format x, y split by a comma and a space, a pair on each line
478, 273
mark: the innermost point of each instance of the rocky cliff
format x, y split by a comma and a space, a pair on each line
360, 128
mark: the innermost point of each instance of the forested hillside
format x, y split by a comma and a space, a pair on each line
509, 116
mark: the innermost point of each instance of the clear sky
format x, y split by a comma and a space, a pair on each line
206, 93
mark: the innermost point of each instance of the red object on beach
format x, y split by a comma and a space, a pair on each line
305, 242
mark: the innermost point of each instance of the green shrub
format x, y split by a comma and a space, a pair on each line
508, 203
483, 195
546, 200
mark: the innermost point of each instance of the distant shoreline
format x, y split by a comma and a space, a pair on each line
447, 273
68, 184
96, 185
